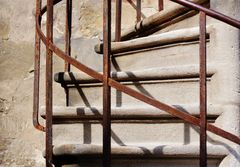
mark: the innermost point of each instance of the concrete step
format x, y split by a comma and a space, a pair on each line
129, 125
71, 114
132, 155
173, 13
166, 84
173, 48
159, 73
176, 54
163, 39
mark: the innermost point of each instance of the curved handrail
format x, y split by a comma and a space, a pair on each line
39, 13
144, 24
37, 53
173, 111
212, 13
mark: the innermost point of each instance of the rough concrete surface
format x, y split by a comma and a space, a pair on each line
18, 144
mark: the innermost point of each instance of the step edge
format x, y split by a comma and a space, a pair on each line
193, 109
166, 38
152, 150
162, 73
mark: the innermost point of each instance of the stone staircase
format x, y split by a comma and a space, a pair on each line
163, 65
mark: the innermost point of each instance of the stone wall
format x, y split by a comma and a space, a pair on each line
20, 144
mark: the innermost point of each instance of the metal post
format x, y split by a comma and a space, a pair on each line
106, 87
139, 10
68, 32
49, 70
37, 72
203, 91
160, 5
118, 20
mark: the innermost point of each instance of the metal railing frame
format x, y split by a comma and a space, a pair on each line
108, 82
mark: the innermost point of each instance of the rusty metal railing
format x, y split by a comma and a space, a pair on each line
108, 82
203, 90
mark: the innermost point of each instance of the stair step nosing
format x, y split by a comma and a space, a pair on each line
128, 112
157, 19
174, 72
171, 37
150, 150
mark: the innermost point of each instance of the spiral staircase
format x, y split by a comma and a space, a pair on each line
167, 94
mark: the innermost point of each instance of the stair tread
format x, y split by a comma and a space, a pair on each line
160, 18
133, 113
166, 38
91, 150
171, 72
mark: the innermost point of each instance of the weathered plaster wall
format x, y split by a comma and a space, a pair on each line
20, 144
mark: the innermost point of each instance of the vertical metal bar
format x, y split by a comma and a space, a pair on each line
118, 20
67, 95
160, 5
203, 91
68, 32
139, 10
37, 72
49, 70
118, 37
106, 87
